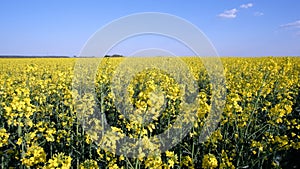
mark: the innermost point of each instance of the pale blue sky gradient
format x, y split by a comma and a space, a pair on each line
235, 27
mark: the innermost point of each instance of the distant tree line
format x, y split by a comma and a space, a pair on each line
113, 56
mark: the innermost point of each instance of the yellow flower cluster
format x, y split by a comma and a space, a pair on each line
89, 164
33, 156
3, 137
209, 161
59, 161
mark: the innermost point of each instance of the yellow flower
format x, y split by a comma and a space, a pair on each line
59, 161
172, 159
209, 161
169, 154
3, 137
89, 164
187, 162
34, 155
19, 142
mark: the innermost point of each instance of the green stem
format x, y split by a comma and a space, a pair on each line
137, 163
2, 162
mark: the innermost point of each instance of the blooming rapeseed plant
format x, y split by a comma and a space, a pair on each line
50, 120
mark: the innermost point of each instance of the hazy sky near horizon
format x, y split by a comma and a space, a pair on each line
234, 27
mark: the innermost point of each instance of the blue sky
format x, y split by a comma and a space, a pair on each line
235, 27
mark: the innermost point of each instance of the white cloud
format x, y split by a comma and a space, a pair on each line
232, 13
295, 24
249, 5
292, 26
258, 14
229, 13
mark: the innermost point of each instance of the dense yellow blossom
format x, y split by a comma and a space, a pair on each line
50, 120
